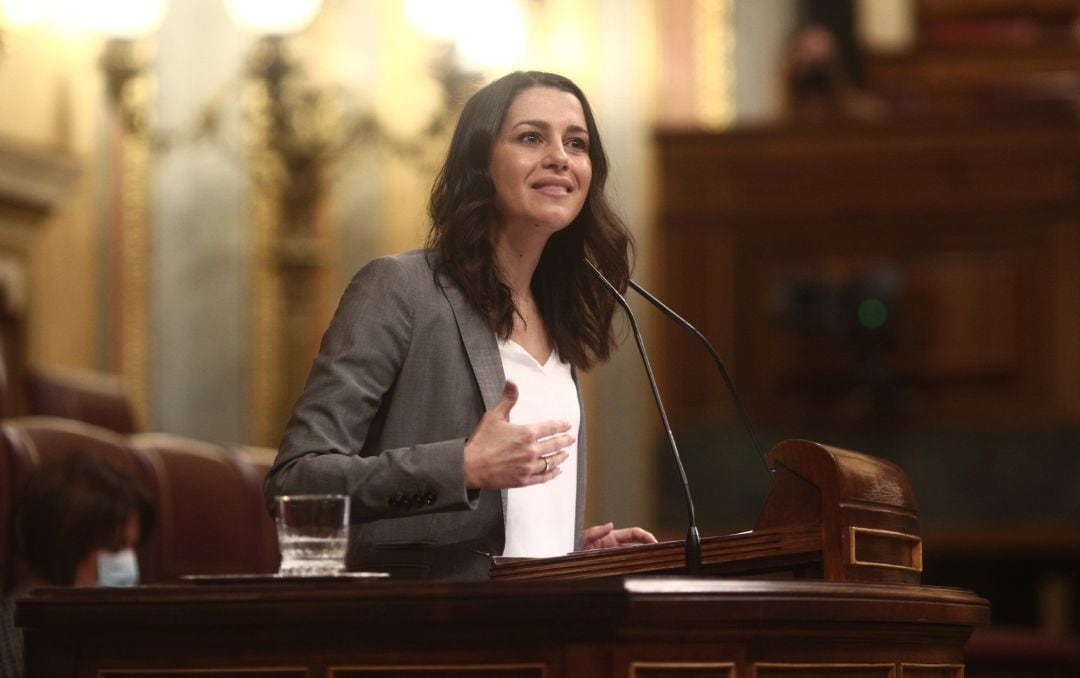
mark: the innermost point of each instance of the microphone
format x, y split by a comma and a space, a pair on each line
693, 537
719, 364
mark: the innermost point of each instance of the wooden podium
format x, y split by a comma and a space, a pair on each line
832, 514
647, 627
842, 518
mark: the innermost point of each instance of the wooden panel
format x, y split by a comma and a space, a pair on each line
831, 513
682, 670
938, 9
1066, 299
902, 274
861, 173
824, 670
552, 629
960, 332
885, 548
931, 671
985, 58
205, 673
963, 314
438, 669
700, 268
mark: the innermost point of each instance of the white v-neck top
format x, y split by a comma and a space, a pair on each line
540, 518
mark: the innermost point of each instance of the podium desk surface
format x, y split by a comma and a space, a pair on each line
641, 626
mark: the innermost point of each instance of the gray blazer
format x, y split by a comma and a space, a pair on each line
405, 371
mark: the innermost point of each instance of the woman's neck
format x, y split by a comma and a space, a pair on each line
517, 259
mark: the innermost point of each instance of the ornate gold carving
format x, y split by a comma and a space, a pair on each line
32, 179
288, 147
130, 91
33, 182
267, 311
299, 135
136, 255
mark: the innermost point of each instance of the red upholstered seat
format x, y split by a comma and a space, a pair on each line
96, 398
30, 441
261, 459
211, 518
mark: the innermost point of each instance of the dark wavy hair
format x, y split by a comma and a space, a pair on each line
576, 308
73, 506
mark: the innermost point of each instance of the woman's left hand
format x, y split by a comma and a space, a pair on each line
606, 536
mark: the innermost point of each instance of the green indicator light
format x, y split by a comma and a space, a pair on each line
872, 313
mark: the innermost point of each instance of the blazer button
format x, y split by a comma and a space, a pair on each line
393, 502
406, 502
429, 498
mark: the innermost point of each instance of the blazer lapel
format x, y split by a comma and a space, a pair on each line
481, 347
479, 341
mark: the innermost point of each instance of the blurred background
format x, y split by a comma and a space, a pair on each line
871, 208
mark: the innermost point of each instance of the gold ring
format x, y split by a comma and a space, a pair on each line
547, 465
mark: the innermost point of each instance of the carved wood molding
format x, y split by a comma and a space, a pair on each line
34, 180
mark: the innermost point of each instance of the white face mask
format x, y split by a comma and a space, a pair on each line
117, 568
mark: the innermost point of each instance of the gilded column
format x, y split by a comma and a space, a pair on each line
287, 255
267, 310
130, 90
714, 41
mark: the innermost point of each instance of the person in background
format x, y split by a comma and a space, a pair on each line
817, 86
76, 522
445, 399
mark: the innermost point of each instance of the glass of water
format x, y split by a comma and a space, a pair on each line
313, 532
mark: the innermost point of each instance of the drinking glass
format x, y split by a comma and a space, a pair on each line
313, 532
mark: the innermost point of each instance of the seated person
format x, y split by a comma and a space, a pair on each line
817, 83
77, 521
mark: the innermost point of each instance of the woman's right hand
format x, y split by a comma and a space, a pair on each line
499, 454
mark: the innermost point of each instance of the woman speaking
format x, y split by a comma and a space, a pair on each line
445, 398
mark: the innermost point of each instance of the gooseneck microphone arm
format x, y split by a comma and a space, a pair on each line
719, 364
693, 537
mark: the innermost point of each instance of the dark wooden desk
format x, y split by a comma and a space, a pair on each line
637, 626
967, 230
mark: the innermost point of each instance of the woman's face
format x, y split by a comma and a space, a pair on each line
540, 162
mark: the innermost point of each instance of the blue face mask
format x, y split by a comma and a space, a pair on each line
117, 568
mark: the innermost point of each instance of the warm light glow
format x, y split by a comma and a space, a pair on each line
121, 18
564, 49
488, 33
113, 18
886, 25
495, 36
437, 19
273, 17
25, 13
